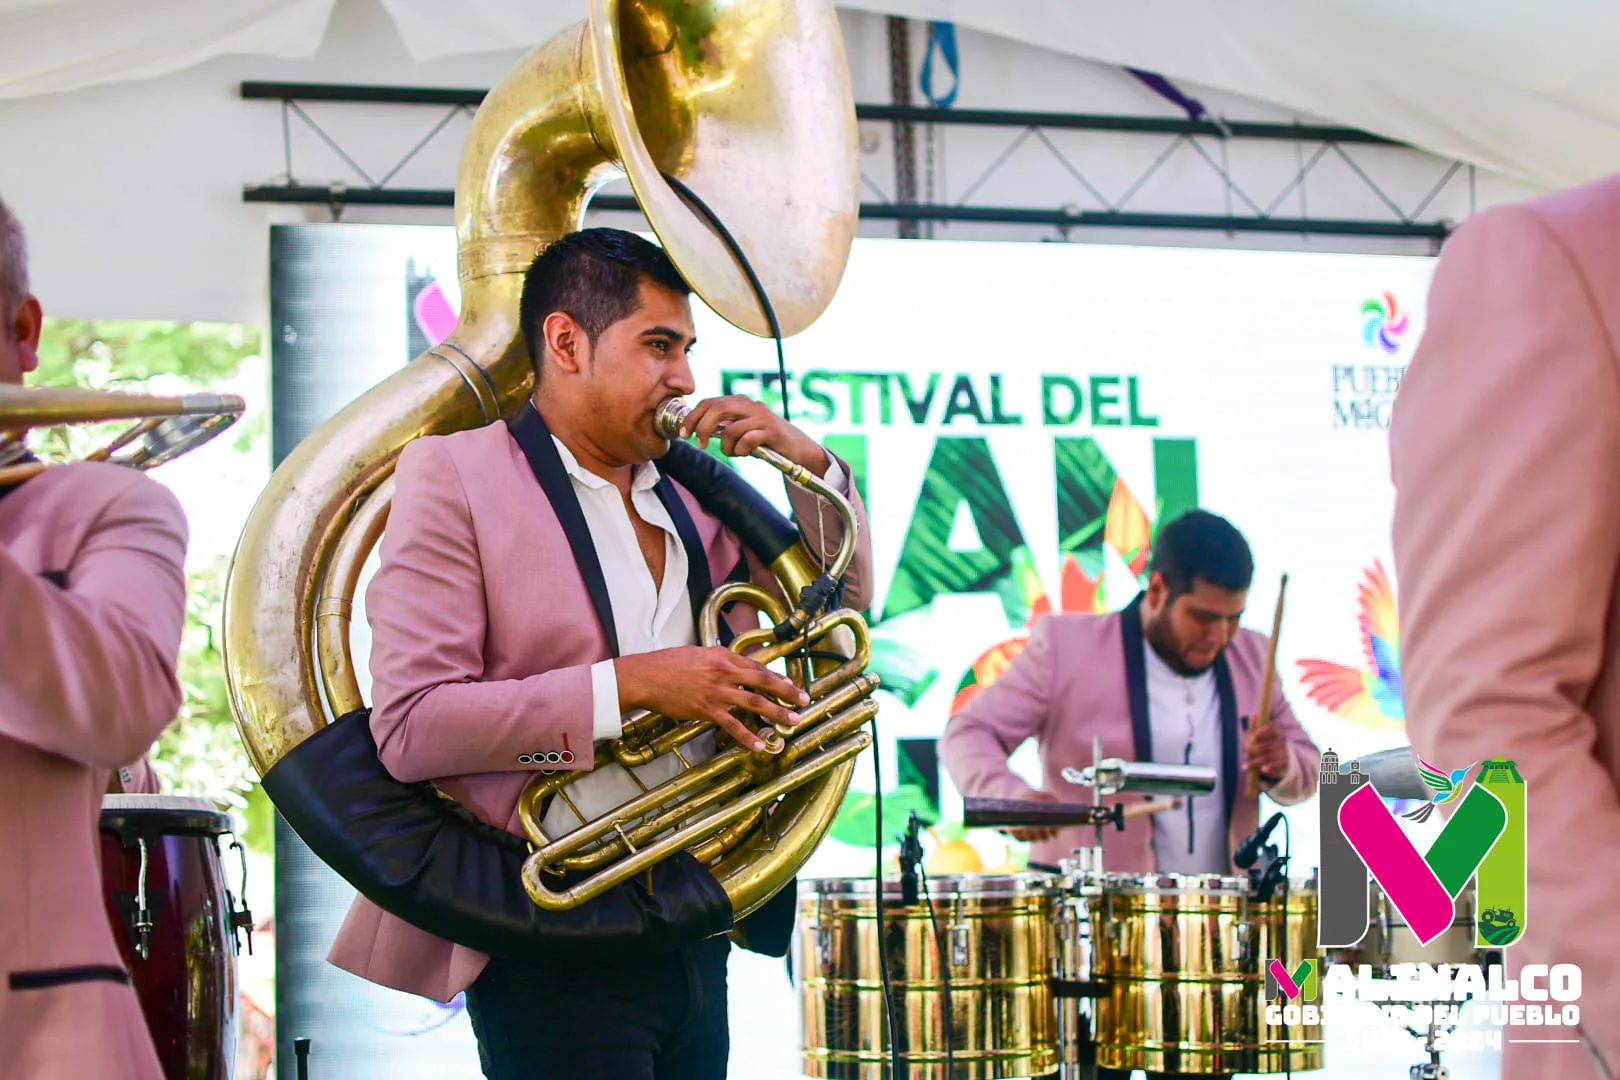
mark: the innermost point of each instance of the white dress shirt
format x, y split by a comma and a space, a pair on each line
1184, 714
647, 616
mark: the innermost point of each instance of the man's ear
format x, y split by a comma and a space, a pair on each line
566, 341
1157, 591
27, 323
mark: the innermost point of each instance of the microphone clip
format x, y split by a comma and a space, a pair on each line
911, 855
1267, 878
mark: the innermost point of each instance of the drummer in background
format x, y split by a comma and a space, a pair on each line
92, 587
1172, 679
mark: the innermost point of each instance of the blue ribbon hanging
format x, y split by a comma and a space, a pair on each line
941, 39
1170, 92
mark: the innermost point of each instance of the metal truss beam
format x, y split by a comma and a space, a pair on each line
1114, 215
339, 196
916, 114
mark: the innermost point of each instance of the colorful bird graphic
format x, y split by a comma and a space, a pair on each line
1369, 698
1446, 787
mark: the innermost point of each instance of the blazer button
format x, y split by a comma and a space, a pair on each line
525, 759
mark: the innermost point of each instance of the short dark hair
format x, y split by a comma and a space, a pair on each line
1200, 545
594, 276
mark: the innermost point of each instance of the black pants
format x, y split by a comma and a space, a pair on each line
662, 1017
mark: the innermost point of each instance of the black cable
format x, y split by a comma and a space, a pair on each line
944, 974
730, 241
897, 1067
702, 208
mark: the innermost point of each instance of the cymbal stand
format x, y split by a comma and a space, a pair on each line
1433, 1070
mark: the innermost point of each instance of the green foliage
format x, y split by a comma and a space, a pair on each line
200, 754
130, 355
111, 354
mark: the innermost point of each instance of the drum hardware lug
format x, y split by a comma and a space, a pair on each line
240, 918
1245, 931
143, 915
819, 922
959, 931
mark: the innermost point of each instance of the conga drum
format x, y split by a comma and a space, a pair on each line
175, 925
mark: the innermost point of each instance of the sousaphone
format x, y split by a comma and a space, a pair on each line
734, 121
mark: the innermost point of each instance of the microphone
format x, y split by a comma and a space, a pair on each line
1248, 852
911, 854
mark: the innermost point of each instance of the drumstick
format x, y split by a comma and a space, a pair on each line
1262, 717
1020, 813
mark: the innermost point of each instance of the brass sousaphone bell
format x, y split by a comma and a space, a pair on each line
739, 111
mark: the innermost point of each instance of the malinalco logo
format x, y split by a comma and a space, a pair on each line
1300, 985
1383, 323
1483, 840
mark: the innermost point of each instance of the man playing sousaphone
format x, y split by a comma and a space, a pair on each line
539, 578
93, 596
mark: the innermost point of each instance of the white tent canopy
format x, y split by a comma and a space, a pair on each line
1529, 91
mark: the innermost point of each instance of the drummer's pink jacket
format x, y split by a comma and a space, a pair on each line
1505, 452
92, 603
1068, 686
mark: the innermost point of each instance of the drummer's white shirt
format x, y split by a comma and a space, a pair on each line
1184, 714
647, 616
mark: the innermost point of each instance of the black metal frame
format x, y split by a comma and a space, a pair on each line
1402, 225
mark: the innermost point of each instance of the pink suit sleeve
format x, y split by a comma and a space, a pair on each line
433, 713
140, 778
1505, 453
979, 739
90, 669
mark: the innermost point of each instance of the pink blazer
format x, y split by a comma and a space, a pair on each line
483, 635
140, 778
87, 683
1069, 686
1505, 452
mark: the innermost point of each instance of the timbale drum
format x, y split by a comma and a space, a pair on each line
175, 923
980, 964
1183, 959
